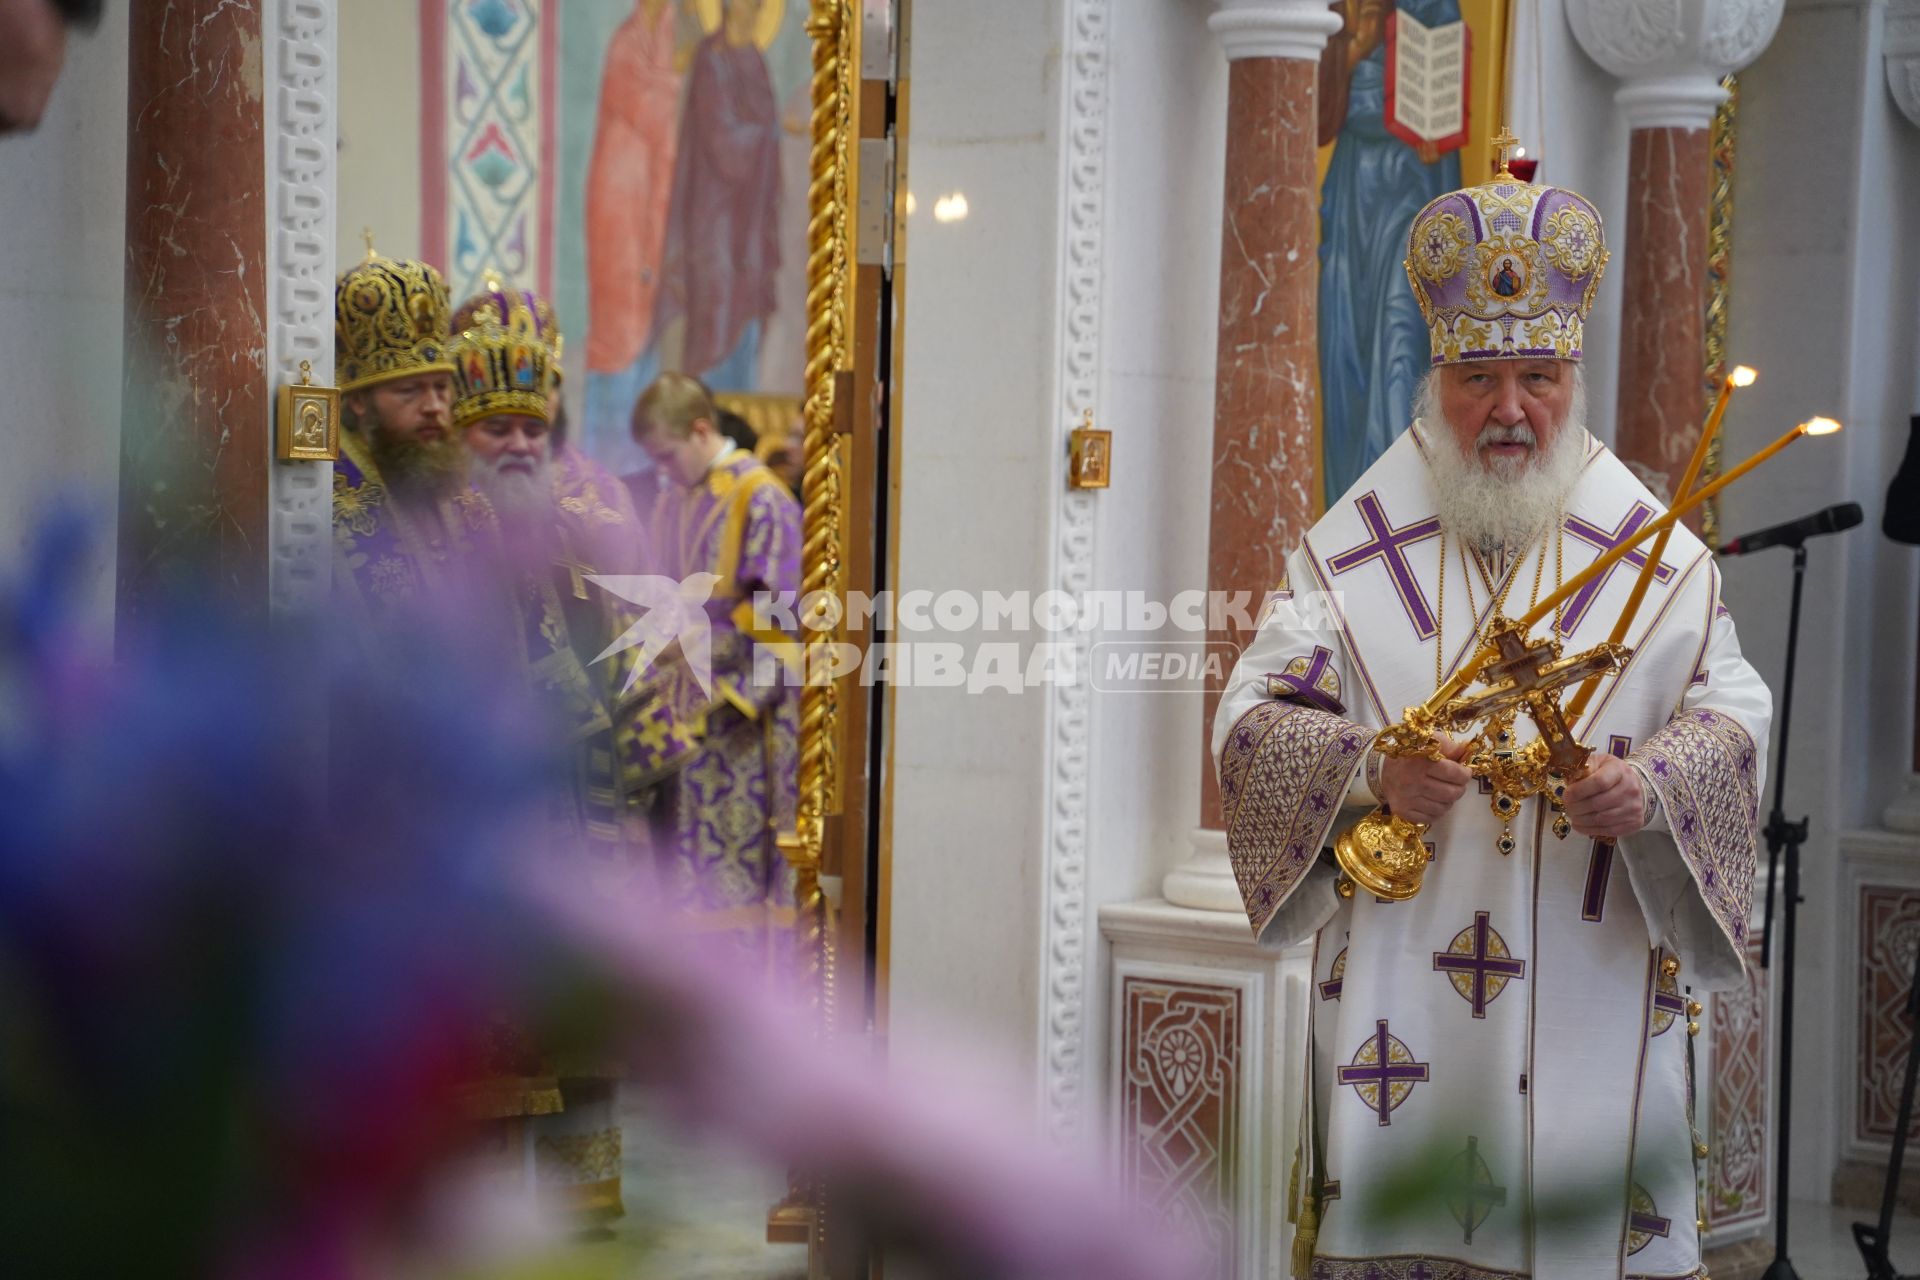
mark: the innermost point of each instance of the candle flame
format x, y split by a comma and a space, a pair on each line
1743, 375
1820, 426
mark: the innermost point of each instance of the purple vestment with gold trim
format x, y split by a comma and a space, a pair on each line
724, 763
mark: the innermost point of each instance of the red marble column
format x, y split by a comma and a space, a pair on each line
194, 449
1264, 465
1663, 342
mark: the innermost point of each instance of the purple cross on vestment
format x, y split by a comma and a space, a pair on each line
1336, 977
1388, 546
1605, 540
1305, 687
1651, 1224
1383, 1073
1593, 903
1481, 963
1669, 1002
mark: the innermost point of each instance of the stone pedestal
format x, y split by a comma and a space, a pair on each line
1205, 880
1206, 1054
1904, 813
195, 453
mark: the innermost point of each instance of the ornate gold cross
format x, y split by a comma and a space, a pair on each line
1528, 676
1503, 144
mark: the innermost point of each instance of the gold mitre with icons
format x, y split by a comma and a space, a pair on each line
506, 354
390, 321
1506, 269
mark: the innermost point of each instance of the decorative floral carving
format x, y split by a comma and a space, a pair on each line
1672, 54
1737, 30
301, 124
1622, 35
1066, 920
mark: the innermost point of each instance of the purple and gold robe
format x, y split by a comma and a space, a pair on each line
598, 513
723, 765
393, 560
1518, 1027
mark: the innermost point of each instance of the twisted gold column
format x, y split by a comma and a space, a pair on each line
829, 253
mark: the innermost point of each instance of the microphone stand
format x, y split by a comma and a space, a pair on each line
1784, 837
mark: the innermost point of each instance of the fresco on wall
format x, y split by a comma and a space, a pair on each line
1409, 97
644, 164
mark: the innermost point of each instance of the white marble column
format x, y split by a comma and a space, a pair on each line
1205, 1028
1263, 379
1670, 59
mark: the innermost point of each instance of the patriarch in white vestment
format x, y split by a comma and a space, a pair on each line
1498, 1066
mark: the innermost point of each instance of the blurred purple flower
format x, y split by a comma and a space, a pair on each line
265, 896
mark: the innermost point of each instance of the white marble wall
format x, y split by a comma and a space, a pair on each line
380, 160
62, 281
1165, 169
975, 421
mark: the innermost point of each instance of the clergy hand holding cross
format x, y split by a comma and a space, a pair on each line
1385, 853
1421, 788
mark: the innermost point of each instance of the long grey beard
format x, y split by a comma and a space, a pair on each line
418, 471
1502, 505
523, 500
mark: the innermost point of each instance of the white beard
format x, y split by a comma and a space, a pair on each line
1503, 502
522, 496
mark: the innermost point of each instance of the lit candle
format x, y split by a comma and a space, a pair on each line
1461, 677
1811, 427
1741, 376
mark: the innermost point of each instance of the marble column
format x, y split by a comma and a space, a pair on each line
195, 454
1663, 326
1670, 61
1264, 468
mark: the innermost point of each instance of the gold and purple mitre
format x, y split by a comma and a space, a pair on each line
1506, 269
506, 354
389, 321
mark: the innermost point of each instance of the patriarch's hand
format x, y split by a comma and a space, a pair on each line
1422, 790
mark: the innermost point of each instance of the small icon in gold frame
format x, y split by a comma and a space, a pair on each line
1090, 454
309, 422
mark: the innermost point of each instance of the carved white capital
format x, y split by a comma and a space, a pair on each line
1902, 46
1273, 28
1671, 54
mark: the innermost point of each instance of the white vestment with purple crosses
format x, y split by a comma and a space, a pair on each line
1511, 1043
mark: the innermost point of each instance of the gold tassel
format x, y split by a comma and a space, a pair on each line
1293, 1188
1306, 1233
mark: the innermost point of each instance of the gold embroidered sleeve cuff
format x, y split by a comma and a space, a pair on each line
1703, 767
1650, 816
1284, 771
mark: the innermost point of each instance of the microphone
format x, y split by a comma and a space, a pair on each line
1841, 515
